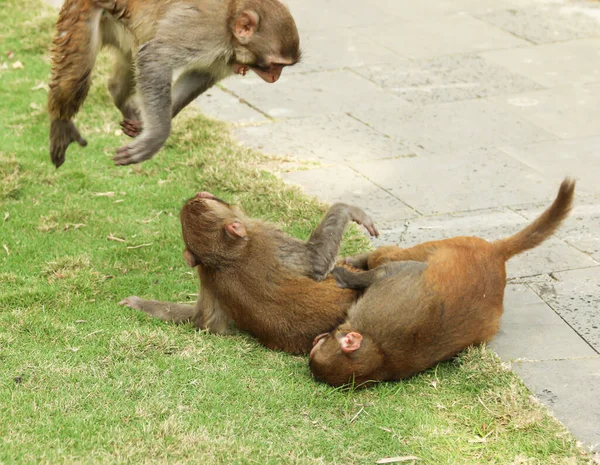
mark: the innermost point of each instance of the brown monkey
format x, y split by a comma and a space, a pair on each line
206, 40
424, 304
270, 284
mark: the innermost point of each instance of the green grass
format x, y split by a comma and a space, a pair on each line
86, 381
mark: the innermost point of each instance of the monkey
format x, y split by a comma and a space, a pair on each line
424, 304
276, 287
203, 40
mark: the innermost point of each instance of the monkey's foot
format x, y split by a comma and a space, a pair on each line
131, 127
132, 302
360, 217
62, 133
358, 261
143, 148
342, 276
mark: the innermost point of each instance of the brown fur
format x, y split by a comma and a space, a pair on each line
272, 285
207, 40
425, 303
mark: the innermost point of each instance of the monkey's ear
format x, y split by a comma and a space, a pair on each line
236, 230
351, 342
190, 258
246, 25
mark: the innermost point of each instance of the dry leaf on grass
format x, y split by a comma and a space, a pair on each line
104, 194
406, 458
138, 246
6, 248
17, 65
110, 237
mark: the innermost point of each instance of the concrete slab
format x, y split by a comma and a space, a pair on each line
336, 138
219, 104
340, 48
531, 330
575, 296
449, 127
578, 158
571, 390
446, 182
568, 63
554, 254
568, 112
435, 37
323, 93
446, 79
545, 23
342, 184
581, 229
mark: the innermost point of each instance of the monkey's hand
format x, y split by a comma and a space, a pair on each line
131, 127
132, 302
62, 133
143, 148
360, 217
360, 261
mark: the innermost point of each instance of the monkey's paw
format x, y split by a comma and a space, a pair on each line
341, 275
132, 302
131, 127
140, 150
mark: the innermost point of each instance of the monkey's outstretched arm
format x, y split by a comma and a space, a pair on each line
188, 86
324, 243
167, 311
363, 279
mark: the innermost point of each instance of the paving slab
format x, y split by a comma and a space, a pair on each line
428, 38
531, 330
567, 63
219, 104
342, 184
446, 79
334, 138
545, 23
567, 112
553, 255
448, 127
313, 94
459, 180
571, 390
575, 296
578, 158
581, 229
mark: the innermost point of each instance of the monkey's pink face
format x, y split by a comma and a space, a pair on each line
269, 73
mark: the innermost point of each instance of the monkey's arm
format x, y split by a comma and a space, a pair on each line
167, 311
363, 279
188, 86
324, 243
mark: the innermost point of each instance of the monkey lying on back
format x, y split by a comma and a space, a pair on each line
207, 40
270, 284
424, 304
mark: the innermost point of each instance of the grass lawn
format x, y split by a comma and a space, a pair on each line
83, 380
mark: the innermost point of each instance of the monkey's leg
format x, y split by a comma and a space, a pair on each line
167, 311
154, 84
363, 279
122, 89
188, 86
324, 242
211, 316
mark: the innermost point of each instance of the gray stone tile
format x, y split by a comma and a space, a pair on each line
531, 330
578, 158
441, 36
339, 48
545, 23
336, 138
581, 229
446, 79
458, 180
220, 105
448, 127
313, 94
567, 63
575, 296
568, 112
571, 390
342, 184
554, 254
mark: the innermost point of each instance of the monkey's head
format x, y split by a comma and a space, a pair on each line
265, 38
346, 357
213, 231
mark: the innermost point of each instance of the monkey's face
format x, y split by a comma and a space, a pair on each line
212, 229
345, 357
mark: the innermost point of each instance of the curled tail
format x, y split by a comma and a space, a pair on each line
75, 46
543, 227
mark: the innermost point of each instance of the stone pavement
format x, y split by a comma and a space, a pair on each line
457, 117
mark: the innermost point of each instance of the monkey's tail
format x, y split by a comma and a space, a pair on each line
543, 227
74, 48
